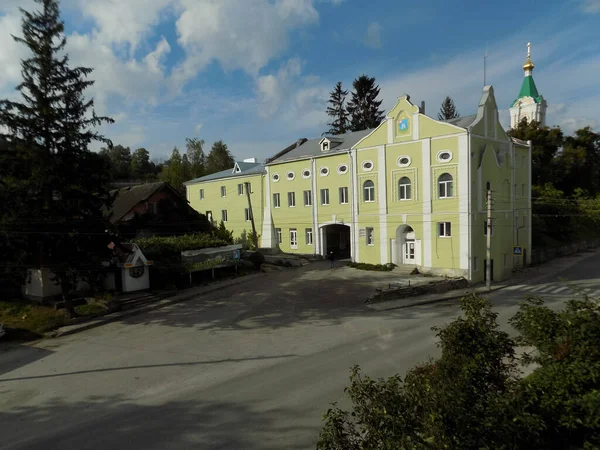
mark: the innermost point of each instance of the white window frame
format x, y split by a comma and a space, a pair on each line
402, 191
367, 169
305, 173
241, 189
324, 193
309, 236
223, 191
279, 235
370, 236
444, 229
345, 169
247, 215
370, 198
290, 175
291, 199
445, 184
343, 193
323, 171
201, 194
293, 238
224, 215
275, 177
276, 200
307, 194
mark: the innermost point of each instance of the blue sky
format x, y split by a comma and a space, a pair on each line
257, 73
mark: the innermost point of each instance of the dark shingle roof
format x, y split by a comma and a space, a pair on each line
312, 147
463, 122
245, 169
130, 196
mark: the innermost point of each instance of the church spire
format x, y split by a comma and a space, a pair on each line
528, 66
529, 104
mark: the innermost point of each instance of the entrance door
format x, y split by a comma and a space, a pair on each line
409, 252
485, 270
293, 238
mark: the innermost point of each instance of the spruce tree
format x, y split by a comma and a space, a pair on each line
337, 110
364, 107
448, 110
219, 158
56, 219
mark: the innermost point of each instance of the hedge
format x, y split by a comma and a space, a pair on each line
375, 267
168, 245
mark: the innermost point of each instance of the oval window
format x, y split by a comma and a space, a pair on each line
324, 171
342, 169
367, 165
306, 173
444, 156
403, 161
291, 175
275, 177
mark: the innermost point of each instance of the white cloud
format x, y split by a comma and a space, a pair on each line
373, 37
591, 6
124, 22
198, 127
239, 34
273, 89
11, 53
154, 59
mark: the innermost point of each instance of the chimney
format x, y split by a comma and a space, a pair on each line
300, 141
422, 108
250, 160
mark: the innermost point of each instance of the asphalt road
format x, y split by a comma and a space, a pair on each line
184, 377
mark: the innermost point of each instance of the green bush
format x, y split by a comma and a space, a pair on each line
23, 319
474, 397
375, 267
168, 245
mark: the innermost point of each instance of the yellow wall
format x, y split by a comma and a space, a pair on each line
234, 204
429, 127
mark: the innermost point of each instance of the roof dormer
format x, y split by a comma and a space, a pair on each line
236, 168
327, 143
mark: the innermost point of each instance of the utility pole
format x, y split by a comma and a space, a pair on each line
488, 268
255, 237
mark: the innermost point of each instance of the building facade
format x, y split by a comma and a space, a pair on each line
411, 191
222, 196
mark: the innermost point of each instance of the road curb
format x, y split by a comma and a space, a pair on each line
508, 283
104, 320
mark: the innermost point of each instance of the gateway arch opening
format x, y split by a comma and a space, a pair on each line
336, 239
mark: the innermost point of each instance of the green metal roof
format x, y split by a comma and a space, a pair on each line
528, 89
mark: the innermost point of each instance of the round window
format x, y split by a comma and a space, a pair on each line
275, 177
137, 272
306, 173
291, 175
342, 169
324, 171
367, 166
403, 161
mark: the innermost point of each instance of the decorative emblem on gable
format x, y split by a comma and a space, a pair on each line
403, 124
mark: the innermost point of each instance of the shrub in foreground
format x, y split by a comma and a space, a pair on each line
474, 397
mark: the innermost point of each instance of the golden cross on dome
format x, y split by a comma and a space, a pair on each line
529, 49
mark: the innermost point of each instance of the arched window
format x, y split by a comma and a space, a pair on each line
369, 191
404, 190
445, 186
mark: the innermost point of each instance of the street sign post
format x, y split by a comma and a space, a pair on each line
518, 251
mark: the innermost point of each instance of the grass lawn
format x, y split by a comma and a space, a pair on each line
23, 321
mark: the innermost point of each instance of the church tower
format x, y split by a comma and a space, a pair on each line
529, 104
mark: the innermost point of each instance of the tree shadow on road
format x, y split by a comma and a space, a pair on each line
281, 300
119, 423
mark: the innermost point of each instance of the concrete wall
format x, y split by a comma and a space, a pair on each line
542, 255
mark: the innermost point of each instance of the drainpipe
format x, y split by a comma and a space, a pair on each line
470, 238
353, 226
